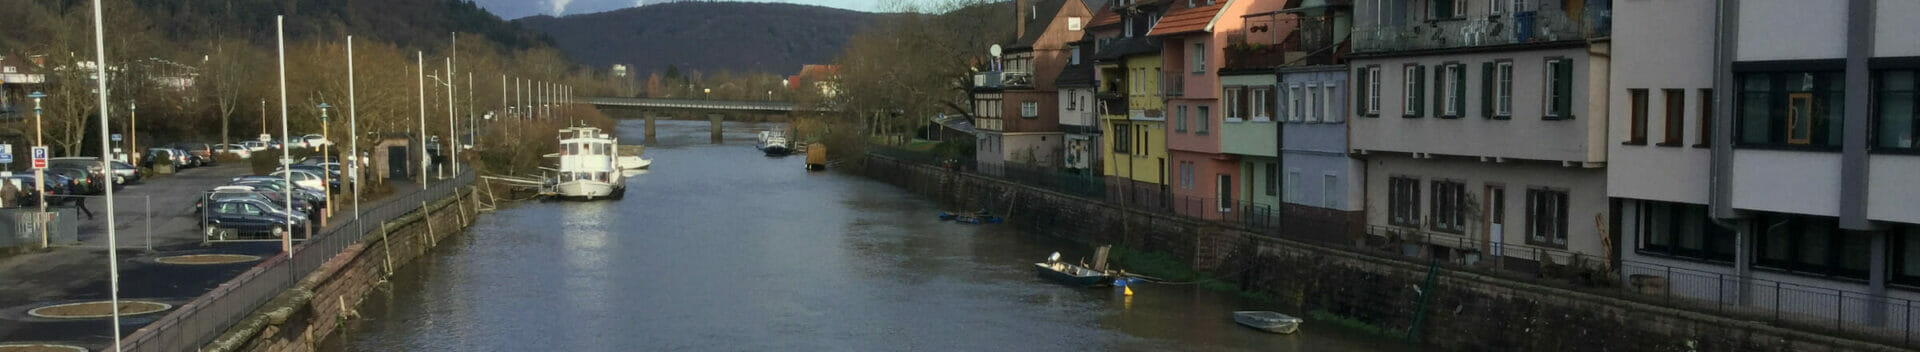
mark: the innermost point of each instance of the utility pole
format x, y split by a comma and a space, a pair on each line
420, 61
106, 163
286, 151
452, 148
353, 136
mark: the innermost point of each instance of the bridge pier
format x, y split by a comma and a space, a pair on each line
650, 116
716, 129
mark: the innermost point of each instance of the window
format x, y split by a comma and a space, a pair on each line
1449, 206
1326, 103
1637, 128
1416, 82
1681, 230
1706, 118
1453, 81
1260, 101
1232, 99
1809, 245
1497, 6
1372, 79
1029, 109
1547, 217
1503, 89
1792, 109
1073, 24
1403, 201
1273, 176
1199, 58
1075, 60
1204, 122
1121, 134
1330, 191
1146, 136
1559, 89
1186, 174
1313, 102
1895, 124
1676, 118
1903, 257
1446, 9
1180, 120
1293, 187
1293, 104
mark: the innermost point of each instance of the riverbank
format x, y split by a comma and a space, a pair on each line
1433, 304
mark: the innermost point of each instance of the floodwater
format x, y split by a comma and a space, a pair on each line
719, 248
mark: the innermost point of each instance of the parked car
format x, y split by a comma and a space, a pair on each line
123, 173
254, 146
249, 216
312, 141
25, 183
79, 181
229, 192
332, 176
277, 185
233, 149
303, 178
200, 154
178, 158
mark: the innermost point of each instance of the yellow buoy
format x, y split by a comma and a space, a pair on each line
1127, 291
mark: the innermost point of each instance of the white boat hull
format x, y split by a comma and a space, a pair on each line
634, 162
585, 189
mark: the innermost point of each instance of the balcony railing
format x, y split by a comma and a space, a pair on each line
1541, 25
988, 124
1113, 104
1016, 79
990, 79
1174, 84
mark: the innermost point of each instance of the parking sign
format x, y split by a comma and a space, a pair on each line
39, 157
6, 153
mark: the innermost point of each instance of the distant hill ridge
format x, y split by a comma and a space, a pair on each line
705, 36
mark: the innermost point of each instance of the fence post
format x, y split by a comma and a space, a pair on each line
1776, 301
1669, 285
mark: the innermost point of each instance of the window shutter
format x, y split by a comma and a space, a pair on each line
1360, 90
1439, 90
1486, 89
1460, 90
1419, 84
1563, 85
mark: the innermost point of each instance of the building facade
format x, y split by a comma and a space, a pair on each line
1482, 143
1788, 165
1079, 120
1027, 128
1194, 35
1132, 111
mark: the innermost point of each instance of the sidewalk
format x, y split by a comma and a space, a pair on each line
78, 272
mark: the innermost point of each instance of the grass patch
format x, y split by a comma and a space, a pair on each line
1326, 317
1173, 270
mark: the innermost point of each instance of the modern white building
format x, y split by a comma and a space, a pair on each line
1771, 141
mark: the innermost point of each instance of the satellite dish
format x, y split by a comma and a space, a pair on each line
994, 50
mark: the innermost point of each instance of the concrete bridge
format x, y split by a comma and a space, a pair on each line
716, 111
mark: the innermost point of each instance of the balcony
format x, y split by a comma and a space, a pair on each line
988, 124
1539, 26
1112, 103
1016, 79
989, 79
1174, 84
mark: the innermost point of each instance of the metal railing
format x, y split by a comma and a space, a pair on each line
1175, 83
1546, 23
1853, 314
193, 325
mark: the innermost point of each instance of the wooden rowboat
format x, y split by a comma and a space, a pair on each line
1267, 321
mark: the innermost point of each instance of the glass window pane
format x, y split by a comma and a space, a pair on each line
1894, 128
1755, 109
1815, 243
1907, 253
1855, 253
1655, 224
1689, 231
1776, 240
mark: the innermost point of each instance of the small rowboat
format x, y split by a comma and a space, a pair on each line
1267, 321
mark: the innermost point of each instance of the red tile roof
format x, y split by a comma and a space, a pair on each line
1105, 18
1182, 19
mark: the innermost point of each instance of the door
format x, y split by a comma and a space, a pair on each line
1496, 218
1224, 191
1800, 118
397, 163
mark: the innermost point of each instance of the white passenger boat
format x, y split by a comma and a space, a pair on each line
774, 143
588, 167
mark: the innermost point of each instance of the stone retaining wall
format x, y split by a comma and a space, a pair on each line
1466, 311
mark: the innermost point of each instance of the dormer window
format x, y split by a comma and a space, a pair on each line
1076, 55
1034, 13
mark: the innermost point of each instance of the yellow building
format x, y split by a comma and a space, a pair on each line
1136, 145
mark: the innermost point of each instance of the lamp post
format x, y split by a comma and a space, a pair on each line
113, 241
353, 138
39, 175
420, 63
286, 151
326, 188
133, 122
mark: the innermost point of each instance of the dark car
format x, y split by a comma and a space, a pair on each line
248, 216
25, 183
199, 154
79, 181
179, 158
278, 186
234, 192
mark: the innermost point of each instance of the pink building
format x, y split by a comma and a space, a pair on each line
1193, 36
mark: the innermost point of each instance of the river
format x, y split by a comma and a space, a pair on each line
718, 248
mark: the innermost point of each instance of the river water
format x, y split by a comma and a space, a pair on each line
718, 248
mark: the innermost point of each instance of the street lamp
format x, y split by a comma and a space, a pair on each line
133, 122
39, 175
326, 191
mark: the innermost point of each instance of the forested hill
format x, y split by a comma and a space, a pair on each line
706, 36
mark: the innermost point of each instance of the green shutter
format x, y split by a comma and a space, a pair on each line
1486, 89
1439, 90
1563, 88
1360, 90
1419, 84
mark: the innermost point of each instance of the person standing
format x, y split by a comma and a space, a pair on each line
9, 195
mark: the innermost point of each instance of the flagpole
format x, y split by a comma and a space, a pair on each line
106, 163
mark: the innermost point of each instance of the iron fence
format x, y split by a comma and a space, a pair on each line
1861, 315
198, 322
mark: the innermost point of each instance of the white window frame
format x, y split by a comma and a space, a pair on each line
1546, 106
1291, 185
1503, 89
1257, 104
1293, 104
1496, 6
1231, 97
1204, 123
1410, 78
1075, 60
1199, 58
1073, 24
1326, 102
1373, 90
1329, 191
1451, 91
1313, 102
1029, 109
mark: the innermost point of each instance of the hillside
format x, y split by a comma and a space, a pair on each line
706, 36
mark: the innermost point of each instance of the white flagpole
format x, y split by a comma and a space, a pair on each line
420, 61
452, 148
106, 163
286, 150
353, 134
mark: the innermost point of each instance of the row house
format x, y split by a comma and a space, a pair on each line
1284, 87
1785, 155
1078, 119
1193, 34
1132, 108
1483, 126
1016, 111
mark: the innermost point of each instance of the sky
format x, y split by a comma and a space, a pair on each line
512, 9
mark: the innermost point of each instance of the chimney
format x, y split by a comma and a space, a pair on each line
1020, 18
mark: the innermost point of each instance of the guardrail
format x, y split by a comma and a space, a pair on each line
193, 325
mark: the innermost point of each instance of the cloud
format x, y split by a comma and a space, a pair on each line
560, 6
